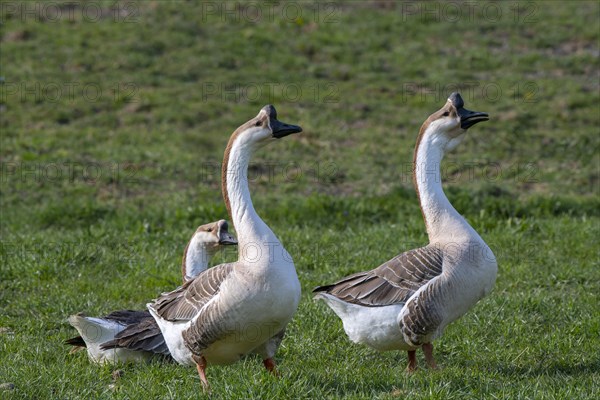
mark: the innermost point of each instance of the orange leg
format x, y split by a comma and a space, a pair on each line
270, 365
428, 351
412, 361
201, 367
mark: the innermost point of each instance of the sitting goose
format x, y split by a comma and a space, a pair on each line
130, 336
407, 302
236, 308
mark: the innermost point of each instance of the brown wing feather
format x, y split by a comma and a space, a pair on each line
186, 301
143, 335
422, 318
125, 317
209, 327
76, 341
392, 282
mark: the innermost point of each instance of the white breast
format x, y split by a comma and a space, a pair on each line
171, 332
376, 327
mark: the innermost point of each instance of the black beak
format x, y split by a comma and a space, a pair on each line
468, 118
280, 129
226, 238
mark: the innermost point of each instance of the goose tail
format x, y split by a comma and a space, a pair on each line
93, 332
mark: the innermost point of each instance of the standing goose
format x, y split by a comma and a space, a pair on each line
236, 308
131, 336
407, 302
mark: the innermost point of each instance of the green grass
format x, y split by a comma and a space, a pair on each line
100, 189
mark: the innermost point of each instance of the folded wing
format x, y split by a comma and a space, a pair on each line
393, 282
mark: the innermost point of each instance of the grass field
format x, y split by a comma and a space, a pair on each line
114, 117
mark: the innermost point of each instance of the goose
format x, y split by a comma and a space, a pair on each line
407, 302
134, 336
237, 308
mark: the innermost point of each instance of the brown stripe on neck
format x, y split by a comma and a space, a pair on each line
184, 261
414, 171
225, 164
224, 167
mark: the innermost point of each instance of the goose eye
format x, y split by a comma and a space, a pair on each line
446, 113
258, 123
209, 230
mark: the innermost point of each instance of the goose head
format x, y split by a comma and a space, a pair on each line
206, 242
265, 127
212, 237
255, 133
447, 126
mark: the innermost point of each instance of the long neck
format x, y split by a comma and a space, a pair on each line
443, 222
196, 258
249, 227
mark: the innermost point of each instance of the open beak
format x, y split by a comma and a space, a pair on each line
469, 118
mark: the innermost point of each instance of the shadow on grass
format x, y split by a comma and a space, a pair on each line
345, 384
551, 369
345, 388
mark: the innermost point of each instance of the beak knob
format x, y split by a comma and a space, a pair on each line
456, 100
